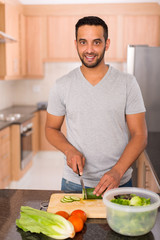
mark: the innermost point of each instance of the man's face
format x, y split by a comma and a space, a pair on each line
91, 45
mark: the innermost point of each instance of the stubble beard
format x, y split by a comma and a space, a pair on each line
95, 64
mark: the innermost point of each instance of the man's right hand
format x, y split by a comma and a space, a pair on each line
74, 159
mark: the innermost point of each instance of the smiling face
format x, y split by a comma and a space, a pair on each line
91, 45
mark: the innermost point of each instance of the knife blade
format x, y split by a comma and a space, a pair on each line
82, 183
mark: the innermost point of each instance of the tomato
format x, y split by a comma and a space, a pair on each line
80, 213
77, 223
63, 214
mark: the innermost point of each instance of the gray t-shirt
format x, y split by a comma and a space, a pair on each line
95, 119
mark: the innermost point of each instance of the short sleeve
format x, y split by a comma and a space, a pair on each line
134, 103
56, 104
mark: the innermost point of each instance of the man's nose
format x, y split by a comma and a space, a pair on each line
89, 48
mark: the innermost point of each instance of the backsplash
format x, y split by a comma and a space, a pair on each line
6, 93
32, 91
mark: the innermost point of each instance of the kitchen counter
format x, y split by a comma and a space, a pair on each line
25, 111
95, 229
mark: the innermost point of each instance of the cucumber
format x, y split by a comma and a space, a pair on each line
90, 194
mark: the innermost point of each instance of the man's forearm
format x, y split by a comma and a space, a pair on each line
73, 156
111, 179
57, 139
132, 151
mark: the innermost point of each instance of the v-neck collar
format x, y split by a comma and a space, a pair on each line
100, 82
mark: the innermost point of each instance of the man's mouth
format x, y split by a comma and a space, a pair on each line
90, 58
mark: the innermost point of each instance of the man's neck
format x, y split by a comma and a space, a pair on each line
94, 75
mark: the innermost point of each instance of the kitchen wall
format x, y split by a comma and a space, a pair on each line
6, 93
31, 91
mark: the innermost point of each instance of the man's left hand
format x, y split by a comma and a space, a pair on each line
110, 180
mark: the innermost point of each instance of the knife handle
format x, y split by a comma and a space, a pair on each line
78, 170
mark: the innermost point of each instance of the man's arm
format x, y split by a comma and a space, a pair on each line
58, 140
138, 141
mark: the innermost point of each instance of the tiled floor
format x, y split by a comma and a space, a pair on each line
45, 173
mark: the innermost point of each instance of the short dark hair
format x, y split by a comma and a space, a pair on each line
92, 20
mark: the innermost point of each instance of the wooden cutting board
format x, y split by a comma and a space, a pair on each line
93, 208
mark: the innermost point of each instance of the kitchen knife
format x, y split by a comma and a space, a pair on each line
82, 183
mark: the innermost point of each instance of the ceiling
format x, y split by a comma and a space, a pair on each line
34, 2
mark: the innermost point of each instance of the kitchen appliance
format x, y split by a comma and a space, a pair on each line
144, 63
26, 130
93, 208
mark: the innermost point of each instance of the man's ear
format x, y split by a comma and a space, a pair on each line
107, 44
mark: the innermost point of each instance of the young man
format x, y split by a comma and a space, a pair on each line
105, 116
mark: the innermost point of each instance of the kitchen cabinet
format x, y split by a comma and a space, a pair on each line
61, 45
143, 30
23, 45
5, 172
44, 144
115, 33
61, 36
146, 177
128, 24
10, 51
35, 37
35, 137
47, 33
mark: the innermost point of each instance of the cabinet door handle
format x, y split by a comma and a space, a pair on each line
147, 170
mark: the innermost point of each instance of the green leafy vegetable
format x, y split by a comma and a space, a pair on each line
52, 225
131, 200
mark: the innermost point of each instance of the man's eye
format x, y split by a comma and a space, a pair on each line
97, 42
82, 42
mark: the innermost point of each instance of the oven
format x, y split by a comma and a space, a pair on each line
26, 129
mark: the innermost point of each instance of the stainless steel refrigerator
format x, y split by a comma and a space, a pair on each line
144, 63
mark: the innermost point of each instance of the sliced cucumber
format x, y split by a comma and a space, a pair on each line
68, 199
62, 200
74, 198
90, 194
